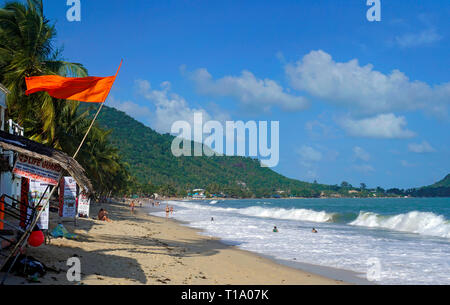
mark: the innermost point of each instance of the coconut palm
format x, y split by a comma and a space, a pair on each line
27, 49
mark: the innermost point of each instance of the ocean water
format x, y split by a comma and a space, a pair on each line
388, 241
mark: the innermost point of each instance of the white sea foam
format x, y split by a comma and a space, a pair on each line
424, 223
275, 213
405, 260
287, 214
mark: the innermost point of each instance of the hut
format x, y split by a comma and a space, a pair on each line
24, 162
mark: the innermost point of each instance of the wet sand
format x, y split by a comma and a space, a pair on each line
138, 249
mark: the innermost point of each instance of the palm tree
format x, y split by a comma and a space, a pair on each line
27, 49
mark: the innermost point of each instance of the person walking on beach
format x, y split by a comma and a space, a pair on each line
132, 207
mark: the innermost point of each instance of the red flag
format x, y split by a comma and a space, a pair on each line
83, 89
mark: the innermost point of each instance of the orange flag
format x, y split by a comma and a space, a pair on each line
83, 89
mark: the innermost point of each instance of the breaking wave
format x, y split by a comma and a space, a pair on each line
287, 214
424, 223
276, 213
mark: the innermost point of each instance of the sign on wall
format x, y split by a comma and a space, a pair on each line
37, 169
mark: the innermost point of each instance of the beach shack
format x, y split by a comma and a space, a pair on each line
28, 170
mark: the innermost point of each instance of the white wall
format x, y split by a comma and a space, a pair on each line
2, 99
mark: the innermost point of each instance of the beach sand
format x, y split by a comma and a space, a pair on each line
138, 249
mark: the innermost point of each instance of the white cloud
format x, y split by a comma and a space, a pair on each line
405, 163
309, 155
317, 129
132, 109
363, 90
171, 107
383, 126
419, 148
361, 154
365, 168
312, 174
252, 92
425, 37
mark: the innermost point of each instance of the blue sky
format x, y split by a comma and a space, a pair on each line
358, 101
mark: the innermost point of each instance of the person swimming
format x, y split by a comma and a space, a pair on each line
275, 229
314, 230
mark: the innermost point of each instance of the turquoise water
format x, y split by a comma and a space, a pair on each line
348, 209
389, 241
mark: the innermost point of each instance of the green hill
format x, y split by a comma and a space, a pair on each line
439, 189
443, 183
149, 155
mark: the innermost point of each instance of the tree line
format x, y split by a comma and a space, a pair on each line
27, 48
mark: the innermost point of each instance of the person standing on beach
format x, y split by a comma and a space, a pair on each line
132, 207
171, 211
167, 211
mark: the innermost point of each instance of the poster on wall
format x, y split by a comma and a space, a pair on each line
83, 205
68, 198
38, 190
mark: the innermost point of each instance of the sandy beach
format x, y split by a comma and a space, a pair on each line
138, 249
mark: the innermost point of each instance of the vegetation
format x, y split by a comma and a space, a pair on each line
150, 160
149, 155
439, 189
121, 155
27, 49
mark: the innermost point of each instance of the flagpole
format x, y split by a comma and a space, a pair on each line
96, 115
33, 224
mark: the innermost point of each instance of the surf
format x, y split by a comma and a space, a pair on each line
424, 223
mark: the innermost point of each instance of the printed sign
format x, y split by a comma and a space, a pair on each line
37, 190
83, 205
68, 198
37, 169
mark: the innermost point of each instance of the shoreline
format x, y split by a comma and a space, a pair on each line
141, 249
336, 274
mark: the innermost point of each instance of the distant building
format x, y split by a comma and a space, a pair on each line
198, 194
353, 192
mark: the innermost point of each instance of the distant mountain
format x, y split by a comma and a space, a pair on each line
443, 183
149, 155
439, 189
